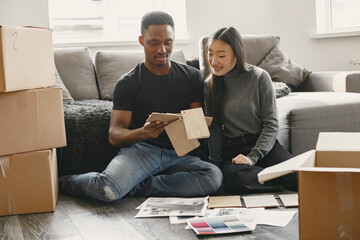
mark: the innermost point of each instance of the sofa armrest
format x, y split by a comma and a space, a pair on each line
353, 82
332, 81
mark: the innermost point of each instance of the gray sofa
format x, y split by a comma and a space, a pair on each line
320, 102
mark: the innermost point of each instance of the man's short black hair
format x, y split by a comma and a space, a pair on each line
156, 18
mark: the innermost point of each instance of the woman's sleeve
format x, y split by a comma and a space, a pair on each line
270, 122
215, 145
216, 134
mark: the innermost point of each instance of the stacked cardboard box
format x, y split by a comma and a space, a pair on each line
31, 122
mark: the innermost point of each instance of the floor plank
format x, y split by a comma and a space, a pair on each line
10, 228
55, 225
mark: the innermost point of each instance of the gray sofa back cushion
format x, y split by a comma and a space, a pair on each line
282, 69
111, 65
65, 92
77, 72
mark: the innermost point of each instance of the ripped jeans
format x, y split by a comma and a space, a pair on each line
147, 169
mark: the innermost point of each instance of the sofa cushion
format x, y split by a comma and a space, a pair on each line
76, 70
65, 92
302, 115
111, 65
282, 69
256, 47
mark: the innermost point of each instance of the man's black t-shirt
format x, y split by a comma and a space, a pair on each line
142, 93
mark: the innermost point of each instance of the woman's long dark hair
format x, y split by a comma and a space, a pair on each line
217, 93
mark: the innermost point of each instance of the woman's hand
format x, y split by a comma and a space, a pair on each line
241, 159
153, 129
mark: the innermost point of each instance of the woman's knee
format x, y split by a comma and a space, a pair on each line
238, 180
236, 184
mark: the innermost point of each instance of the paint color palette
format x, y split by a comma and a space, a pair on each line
217, 225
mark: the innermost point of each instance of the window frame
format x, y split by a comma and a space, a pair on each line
323, 23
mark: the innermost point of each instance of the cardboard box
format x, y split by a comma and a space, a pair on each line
26, 58
28, 183
31, 120
329, 187
185, 128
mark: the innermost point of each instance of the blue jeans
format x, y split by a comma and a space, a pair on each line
146, 170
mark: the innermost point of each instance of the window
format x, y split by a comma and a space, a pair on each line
337, 16
109, 20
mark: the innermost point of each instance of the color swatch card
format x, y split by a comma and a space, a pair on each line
224, 201
289, 200
249, 216
217, 225
260, 201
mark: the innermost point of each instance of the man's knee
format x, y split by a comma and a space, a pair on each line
105, 190
216, 177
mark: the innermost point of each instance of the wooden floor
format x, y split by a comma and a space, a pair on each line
83, 218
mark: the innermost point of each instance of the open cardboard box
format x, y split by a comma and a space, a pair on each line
26, 58
185, 128
329, 186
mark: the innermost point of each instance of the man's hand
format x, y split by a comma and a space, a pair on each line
241, 159
154, 129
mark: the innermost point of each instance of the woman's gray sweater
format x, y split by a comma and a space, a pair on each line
250, 108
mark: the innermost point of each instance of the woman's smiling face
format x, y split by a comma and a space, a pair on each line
221, 57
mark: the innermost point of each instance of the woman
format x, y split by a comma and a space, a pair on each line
241, 100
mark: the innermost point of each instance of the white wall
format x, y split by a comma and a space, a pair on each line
206, 16
292, 20
24, 13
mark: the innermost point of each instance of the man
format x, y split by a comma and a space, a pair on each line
147, 164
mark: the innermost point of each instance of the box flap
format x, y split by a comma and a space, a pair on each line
44, 28
338, 159
328, 169
338, 141
164, 117
171, 117
306, 159
195, 123
178, 138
